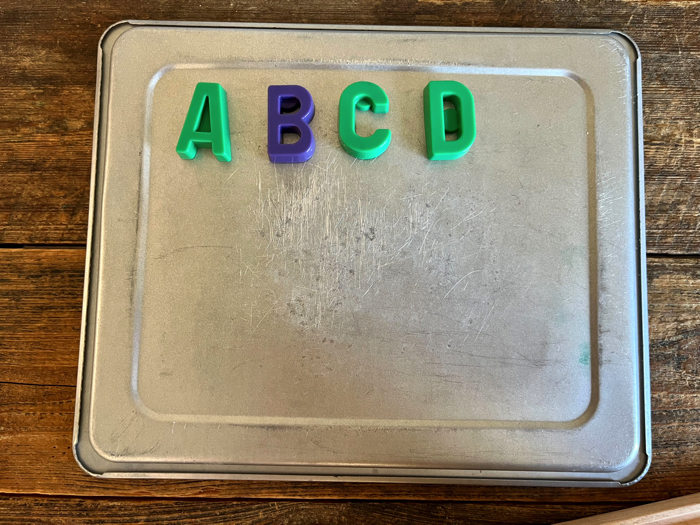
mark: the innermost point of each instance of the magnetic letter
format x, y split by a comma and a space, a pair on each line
439, 121
362, 96
206, 124
281, 100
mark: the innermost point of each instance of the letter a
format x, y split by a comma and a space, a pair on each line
206, 124
436, 125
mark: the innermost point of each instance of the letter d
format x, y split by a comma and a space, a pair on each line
434, 96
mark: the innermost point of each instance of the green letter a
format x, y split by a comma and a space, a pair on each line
206, 124
436, 125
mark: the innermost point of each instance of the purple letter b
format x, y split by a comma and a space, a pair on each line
281, 101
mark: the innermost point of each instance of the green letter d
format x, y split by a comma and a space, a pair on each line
206, 124
434, 96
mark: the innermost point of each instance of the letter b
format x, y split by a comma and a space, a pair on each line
281, 100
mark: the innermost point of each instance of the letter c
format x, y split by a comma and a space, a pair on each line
362, 96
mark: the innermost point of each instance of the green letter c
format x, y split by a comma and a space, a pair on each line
362, 96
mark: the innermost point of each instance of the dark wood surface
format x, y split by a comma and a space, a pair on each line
47, 82
98, 510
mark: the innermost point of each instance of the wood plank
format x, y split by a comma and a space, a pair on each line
79, 510
40, 300
676, 511
40, 294
48, 55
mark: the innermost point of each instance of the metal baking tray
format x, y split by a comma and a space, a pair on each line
481, 320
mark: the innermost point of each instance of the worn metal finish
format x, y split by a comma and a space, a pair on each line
473, 321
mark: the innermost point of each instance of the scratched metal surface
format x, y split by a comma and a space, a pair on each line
480, 320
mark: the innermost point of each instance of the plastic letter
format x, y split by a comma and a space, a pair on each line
439, 121
206, 124
281, 100
362, 96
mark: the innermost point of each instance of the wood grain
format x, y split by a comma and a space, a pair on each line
40, 299
40, 293
79, 510
48, 56
675, 511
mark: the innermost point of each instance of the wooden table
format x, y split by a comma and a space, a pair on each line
47, 79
